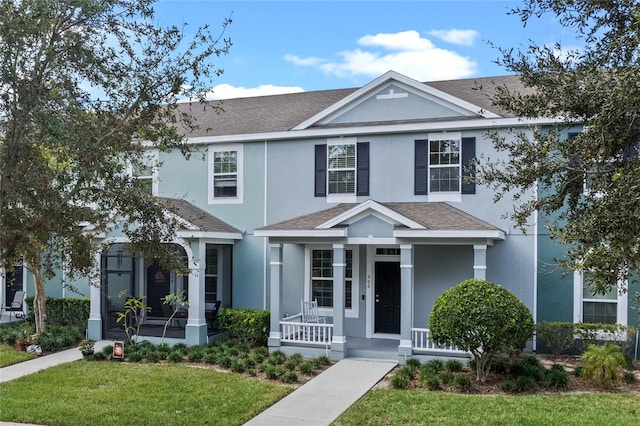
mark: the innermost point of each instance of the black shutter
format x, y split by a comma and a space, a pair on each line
321, 171
421, 167
362, 175
468, 169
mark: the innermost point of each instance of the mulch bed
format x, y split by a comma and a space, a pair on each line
493, 383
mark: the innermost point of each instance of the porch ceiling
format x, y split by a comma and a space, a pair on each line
419, 220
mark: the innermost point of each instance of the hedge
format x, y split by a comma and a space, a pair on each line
250, 325
65, 310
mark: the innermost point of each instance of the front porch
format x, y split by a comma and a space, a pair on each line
375, 271
313, 339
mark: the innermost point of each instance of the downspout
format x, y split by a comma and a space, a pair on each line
265, 245
535, 269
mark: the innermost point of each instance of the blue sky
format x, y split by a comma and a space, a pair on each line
289, 46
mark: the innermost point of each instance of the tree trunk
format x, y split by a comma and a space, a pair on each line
40, 298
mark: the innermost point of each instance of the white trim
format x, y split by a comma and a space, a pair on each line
478, 124
361, 210
153, 156
413, 233
224, 237
451, 197
239, 149
386, 78
622, 301
355, 278
300, 233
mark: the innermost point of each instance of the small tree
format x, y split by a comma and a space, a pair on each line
483, 318
177, 302
131, 318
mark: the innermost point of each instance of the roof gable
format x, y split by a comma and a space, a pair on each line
394, 97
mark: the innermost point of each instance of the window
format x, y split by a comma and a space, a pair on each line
211, 274
322, 278
145, 172
342, 168
225, 174
443, 165
608, 308
341, 160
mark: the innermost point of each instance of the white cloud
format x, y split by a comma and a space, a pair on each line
405, 52
227, 91
453, 36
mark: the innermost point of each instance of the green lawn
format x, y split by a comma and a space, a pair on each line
108, 393
9, 356
395, 407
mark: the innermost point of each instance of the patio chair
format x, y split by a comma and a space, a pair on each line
211, 315
17, 305
310, 312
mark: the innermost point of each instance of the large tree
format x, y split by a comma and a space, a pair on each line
584, 170
85, 87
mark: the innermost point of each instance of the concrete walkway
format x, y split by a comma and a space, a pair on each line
322, 400
34, 365
318, 402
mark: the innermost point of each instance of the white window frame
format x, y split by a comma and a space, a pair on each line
343, 197
152, 156
454, 196
238, 148
352, 312
578, 299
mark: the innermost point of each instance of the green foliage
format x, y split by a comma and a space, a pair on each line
602, 364
528, 366
177, 302
520, 384
628, 377
131, 318
462, 383
557, 377
557, 336
453, 365
483, 318
592, 90
401, 379
65, 311
249, 325
289, 377
592, 334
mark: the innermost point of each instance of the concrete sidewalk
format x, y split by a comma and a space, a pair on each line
321, 400
34, 365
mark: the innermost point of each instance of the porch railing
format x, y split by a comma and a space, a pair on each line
295, 331
421, 341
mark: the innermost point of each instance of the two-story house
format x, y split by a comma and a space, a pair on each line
353, 198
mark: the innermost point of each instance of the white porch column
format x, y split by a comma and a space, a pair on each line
339, 341
276, 295
480, 261
406, 299
196, 328
94, 325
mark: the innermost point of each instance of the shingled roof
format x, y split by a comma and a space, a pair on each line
197, 217
281, 113
433, 216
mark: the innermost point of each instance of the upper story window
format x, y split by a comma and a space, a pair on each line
342, 169
225, 174
608, 308
145, 172
442, 162
444, 165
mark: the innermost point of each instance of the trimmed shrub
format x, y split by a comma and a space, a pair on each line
462, 383
432, 382
453, 365
65, 310
249, 325
308, 367
521, 384
483, 318
289, 377
557, 377
558, 337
